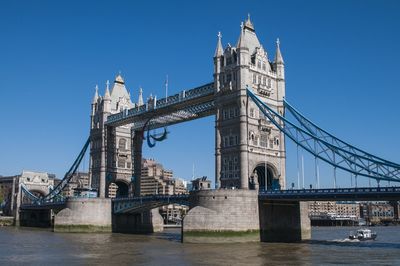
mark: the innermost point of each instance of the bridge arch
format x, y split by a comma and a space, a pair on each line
264, 179
122, 188
38, 192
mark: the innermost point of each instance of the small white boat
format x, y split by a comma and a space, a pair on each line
363, 234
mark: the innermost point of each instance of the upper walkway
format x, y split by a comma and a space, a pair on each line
183, 106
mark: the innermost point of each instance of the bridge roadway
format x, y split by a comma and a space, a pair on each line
333, 194
138, 204
47, 205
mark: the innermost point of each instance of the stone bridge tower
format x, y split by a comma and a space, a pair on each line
246, 142
110, 148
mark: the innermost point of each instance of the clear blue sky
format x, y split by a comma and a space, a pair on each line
342, 68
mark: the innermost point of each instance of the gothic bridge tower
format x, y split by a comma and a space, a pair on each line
110, 148
250, 150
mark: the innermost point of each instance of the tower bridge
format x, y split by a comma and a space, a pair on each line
247, 99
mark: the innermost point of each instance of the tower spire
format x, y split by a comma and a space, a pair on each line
96, 94
240, 42
107, 95
278, 54
140, 100
219, 50
249, 25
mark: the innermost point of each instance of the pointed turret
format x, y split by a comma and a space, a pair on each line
107, 95
219, 51
140, 100
248, 38
240, 42
278, 54
248, 24
119, 79
279, 64
107, 101
96, 95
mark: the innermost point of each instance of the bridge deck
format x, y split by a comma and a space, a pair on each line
333, 194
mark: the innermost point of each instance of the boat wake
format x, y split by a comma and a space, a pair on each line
345, 240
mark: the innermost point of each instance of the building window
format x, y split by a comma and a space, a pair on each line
236, 112
121, 163
263, 141
231, 113
254, 78
122, 144
259, 79
269, 83
251, 112
225, 114
264, 80
259, 64
264, 67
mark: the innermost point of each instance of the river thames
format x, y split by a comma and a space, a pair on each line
329, 246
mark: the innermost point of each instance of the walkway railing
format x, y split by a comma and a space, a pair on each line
164, 102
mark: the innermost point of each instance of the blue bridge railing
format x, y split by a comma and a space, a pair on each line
362, 193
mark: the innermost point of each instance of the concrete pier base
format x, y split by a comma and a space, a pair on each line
138, 223
34, 218
84, 215
218, 216
284, 221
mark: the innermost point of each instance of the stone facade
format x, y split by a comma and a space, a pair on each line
201, 183
84, 215
247, 142
218, 215
115, 161
79, 180
39, 183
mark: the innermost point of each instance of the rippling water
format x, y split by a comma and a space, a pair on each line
328, 247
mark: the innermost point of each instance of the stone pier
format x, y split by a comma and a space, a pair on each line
84, 215
138, 223
224, 215
284, 221
34, 218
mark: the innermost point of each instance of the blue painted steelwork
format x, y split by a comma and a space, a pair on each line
329, 148
316, 130
55, 193
155, 138
333, 194
184, 97
138, 204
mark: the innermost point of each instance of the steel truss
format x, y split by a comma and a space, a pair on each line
327, 147
54, 194
183, 106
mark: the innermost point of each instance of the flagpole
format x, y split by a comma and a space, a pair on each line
166, 89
